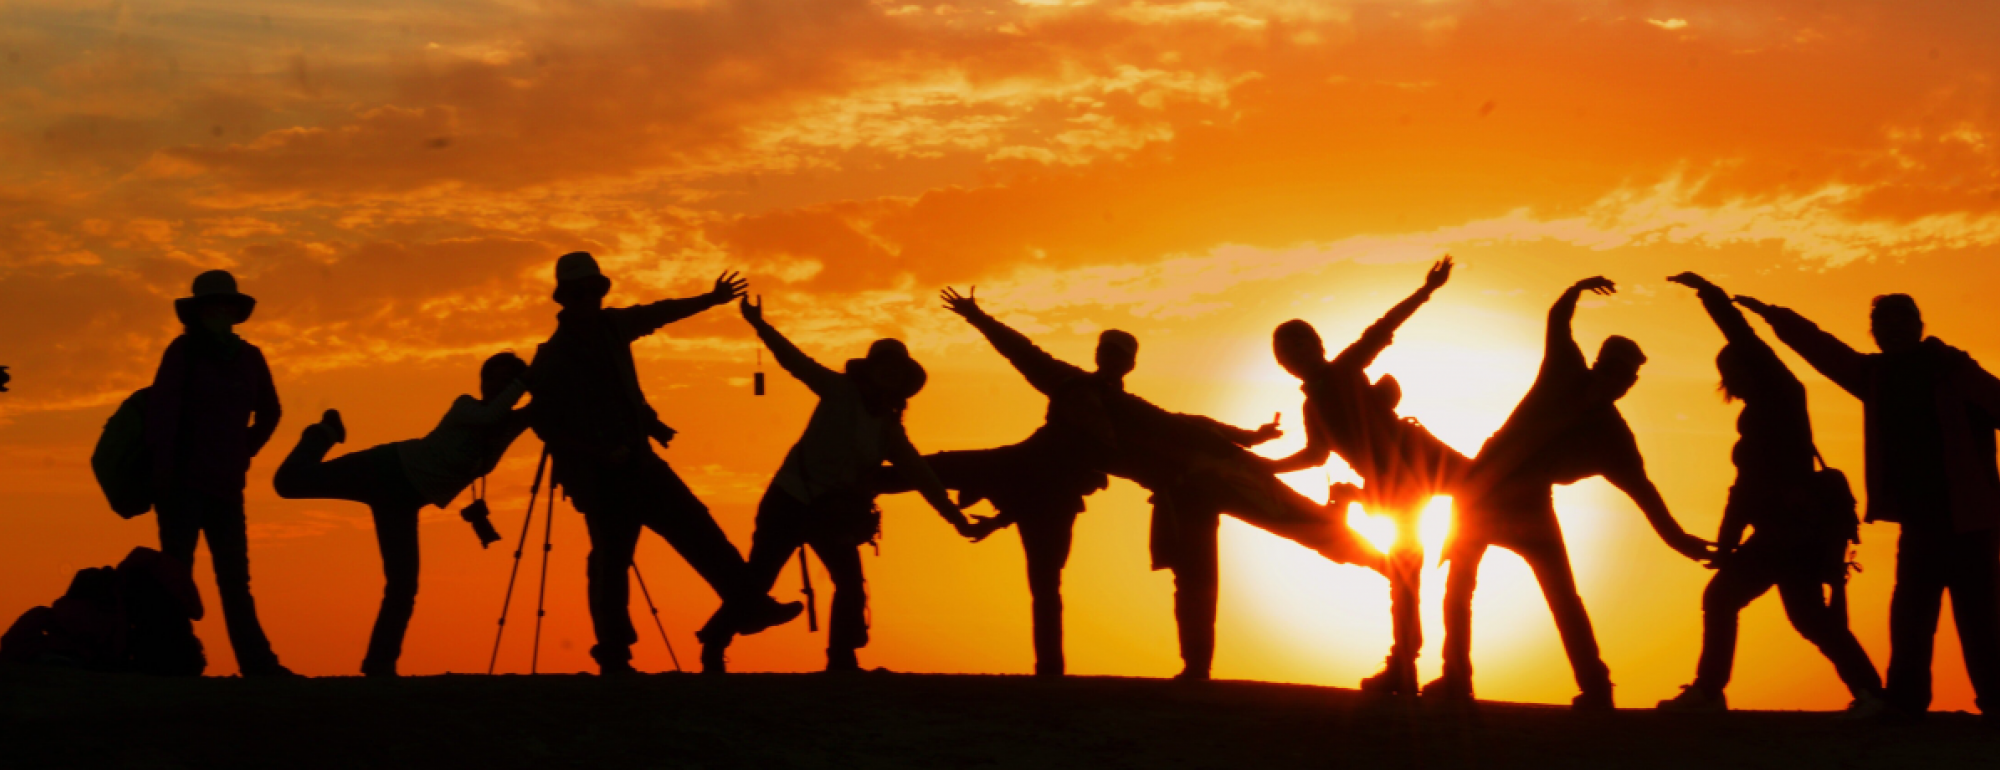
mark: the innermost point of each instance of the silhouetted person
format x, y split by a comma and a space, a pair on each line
1797, 543
823, 495
1195, 467
1566, 429
1401, 465
397, 480
4, 379
1929, 413
213, 407
592, 414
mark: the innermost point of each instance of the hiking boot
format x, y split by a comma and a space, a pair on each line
767, 614
1866, 705
336, 431
714, 658
1695, 698
842, 662
1594, 700
1398, 677
1449, 691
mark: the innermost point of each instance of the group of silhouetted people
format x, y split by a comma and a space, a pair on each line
1931, 415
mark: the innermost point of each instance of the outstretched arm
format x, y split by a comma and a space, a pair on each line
1239, 436
1313, 455
1728, 318
910, 463
638, 321
794, 361
1632, 480
1844, 365
1044, 372
1377, 337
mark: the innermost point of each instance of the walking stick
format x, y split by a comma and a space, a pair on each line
812, 610
656, 616
533, 489
548, 532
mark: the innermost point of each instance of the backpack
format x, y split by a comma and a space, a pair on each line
121, 461
1837, 515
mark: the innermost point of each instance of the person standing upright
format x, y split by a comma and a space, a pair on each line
211, 408
593, 416
1929, 412
1566, 429
1799, 541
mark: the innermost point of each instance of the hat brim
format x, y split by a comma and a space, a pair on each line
188, 308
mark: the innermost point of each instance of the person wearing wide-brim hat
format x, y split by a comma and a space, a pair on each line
592, 414
824, 493
211, 408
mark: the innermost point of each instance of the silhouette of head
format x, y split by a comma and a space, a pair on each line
1387, 392
1117, 352
214, 303
1297, 346
888, 377
500, 371
1733, 363
1897, 324
1617, 367
579, 281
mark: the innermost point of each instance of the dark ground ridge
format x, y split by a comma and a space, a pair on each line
58, 718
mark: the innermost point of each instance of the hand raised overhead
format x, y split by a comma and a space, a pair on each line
1440, 272
1691, 281
728, 286
1597, 285
966, 305
752, 311
1753, 303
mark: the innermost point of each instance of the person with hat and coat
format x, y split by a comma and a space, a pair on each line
594, 418
211, 408
823, 495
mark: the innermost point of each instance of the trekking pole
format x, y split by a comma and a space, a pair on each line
805, 576
656, 616
548, 532
516, 571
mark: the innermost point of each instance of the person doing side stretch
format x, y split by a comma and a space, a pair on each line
823, 494
1796, 543
1928, 412
592, 414
1566, 429
398, 479
1196, 468
1401, 465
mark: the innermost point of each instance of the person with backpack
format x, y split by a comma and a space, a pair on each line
592, 414
1567, 428
823, 495
212, 406
1799, 528
1401, 465
397, 480
1928, 416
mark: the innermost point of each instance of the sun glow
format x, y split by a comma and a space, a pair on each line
1433, 525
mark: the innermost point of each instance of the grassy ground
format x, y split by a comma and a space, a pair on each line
68, 719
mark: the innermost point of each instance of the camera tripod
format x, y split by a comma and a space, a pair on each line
542, 590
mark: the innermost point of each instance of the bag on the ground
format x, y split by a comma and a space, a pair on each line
137, 617
120, 461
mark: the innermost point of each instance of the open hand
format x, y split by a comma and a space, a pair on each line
663, 434
979, 527
728, 286
1440, 272
1692, 281
966, 305
1597, 285
753, 311
1694, 547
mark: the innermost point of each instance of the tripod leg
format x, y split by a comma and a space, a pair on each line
656, 616
507, 603
548, 532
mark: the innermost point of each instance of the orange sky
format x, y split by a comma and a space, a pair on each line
394, 180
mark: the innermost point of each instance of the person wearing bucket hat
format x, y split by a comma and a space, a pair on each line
823, 495
592, 414
1196, 467
211, 408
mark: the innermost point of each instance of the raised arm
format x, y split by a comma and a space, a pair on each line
264, 411
1377, 337
1735, 328
816, 376
1842, 364
904, 456
1044, 372
1559, 347
1243, 437
638, 321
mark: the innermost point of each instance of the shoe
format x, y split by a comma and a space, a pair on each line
1866, 705
335, 429
1695, 699
1192, 674
768, 614
1594, 700
619, 670
1398, 677
842, 662
714, 660
1449, 690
